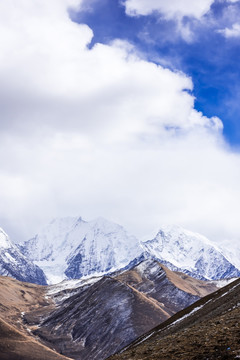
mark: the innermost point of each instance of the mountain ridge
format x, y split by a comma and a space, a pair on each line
13, 263
102, 317
190, 252
207, 329
70, 248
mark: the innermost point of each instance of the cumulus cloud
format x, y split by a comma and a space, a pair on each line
232, 32
169, 9
181, 11
100, 131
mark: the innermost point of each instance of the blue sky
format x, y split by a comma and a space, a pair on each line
211, 59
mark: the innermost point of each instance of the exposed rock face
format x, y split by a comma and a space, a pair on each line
13, 263
191, 253
208, 329
103, 317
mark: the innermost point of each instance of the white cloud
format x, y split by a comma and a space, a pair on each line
169, 9
103, 132
232, 32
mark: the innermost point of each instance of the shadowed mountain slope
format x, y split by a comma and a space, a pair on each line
208, 329
102, 318
93, 318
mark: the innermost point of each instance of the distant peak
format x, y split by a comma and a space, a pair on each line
168, 232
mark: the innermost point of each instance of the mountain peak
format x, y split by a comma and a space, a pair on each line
4, 240
189, 252
73, 248
13, 263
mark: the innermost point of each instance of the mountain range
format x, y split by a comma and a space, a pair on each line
115, 295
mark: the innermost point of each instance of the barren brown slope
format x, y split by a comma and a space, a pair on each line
106, 316
136, 277
16, 340
207, 330
15, 345
98, 319
17, 298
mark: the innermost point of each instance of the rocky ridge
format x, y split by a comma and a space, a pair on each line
13, 263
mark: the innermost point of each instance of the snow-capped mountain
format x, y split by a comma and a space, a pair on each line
191, 253
72, 248
13, 263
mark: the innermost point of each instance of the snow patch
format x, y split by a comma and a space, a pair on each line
71, 284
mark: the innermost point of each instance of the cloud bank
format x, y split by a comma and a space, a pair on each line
101, 131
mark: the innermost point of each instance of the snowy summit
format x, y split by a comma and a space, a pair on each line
72, 248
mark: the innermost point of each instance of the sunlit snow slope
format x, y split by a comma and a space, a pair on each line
191, 253
72, 248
